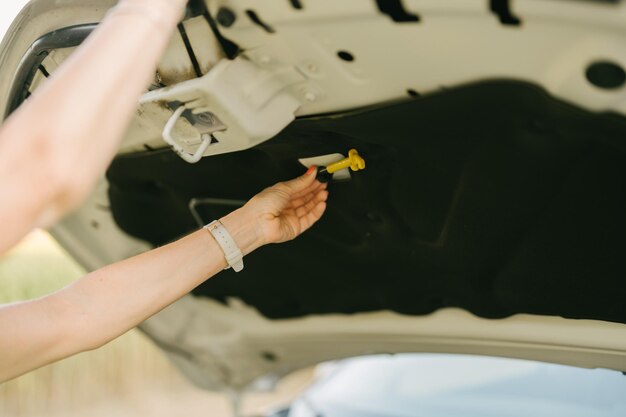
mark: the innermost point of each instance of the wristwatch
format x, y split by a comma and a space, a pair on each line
232, 253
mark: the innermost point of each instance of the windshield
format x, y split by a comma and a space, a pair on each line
467, 386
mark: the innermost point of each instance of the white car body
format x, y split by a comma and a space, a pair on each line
232, 345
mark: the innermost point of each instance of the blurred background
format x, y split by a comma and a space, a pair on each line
129, 377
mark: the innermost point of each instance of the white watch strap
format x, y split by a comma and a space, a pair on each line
232, 253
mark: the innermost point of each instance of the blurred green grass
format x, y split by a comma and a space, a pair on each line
39, 266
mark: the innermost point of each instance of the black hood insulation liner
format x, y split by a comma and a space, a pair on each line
492, 197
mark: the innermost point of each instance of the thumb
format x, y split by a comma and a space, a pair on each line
303, 182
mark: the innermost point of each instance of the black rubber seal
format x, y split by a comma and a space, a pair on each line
68, 37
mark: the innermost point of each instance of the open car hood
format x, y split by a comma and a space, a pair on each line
489, 220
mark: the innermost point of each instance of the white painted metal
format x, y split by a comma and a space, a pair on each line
217, 345
254, 102
456, 42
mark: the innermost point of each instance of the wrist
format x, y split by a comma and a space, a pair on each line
167, 13
244, 229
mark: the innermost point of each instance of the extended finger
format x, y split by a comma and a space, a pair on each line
305, 198
303, 210
312, 216
316, 185
297, 202
302, 182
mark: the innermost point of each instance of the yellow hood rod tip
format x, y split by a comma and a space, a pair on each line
354, 161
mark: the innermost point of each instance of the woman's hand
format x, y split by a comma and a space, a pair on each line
279, 213
288, 209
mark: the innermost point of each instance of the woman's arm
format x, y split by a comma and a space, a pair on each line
109, 302
54, 147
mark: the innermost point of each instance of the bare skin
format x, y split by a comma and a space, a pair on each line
58, 143
47, 168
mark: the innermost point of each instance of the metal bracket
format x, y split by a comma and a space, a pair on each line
251, 103
205, 123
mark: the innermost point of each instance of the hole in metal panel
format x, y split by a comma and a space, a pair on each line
502, 9
396, 11
226, 17
296, 4
257, 21
346, 56
412, 93
606, 74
